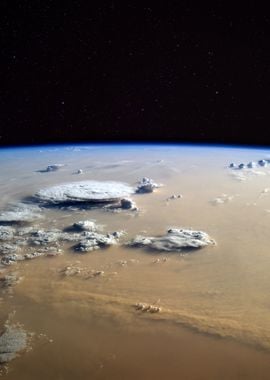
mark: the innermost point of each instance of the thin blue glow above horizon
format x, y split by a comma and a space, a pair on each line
130, 145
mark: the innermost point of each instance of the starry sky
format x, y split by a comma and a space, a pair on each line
176, 71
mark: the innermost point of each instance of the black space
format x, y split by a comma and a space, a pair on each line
128, 70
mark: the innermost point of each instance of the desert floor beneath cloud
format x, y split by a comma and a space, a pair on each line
214, 320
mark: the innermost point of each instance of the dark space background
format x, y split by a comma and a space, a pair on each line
178, 71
